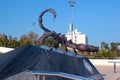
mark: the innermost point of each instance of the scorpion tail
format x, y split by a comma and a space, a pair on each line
41, 15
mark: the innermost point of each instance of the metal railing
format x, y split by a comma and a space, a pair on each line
114, 62
58, 74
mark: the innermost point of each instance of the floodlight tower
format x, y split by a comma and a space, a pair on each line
72, 4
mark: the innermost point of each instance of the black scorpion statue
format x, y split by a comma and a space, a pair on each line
61, 38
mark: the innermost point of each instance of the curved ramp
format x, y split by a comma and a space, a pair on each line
30, 57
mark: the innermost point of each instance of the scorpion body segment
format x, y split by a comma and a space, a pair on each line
40, 20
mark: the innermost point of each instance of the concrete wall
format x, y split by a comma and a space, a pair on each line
4, 49
105, 61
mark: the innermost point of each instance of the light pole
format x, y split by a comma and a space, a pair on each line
71, 3
33, 23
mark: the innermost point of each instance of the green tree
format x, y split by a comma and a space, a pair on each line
33, 37
104, 45
115, 49
3, 40
13, 43
24, 40
49, 42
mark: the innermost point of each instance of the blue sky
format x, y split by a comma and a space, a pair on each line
98, 19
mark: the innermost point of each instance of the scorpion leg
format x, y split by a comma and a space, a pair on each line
52, 46
55, 38
75, 51
64, 46
61, 39
45, 35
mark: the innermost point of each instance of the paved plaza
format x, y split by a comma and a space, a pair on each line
107, 70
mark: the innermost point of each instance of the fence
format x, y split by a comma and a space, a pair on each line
58, 74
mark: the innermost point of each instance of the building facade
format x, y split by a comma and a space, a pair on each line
75, 36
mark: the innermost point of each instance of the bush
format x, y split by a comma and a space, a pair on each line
103, 54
